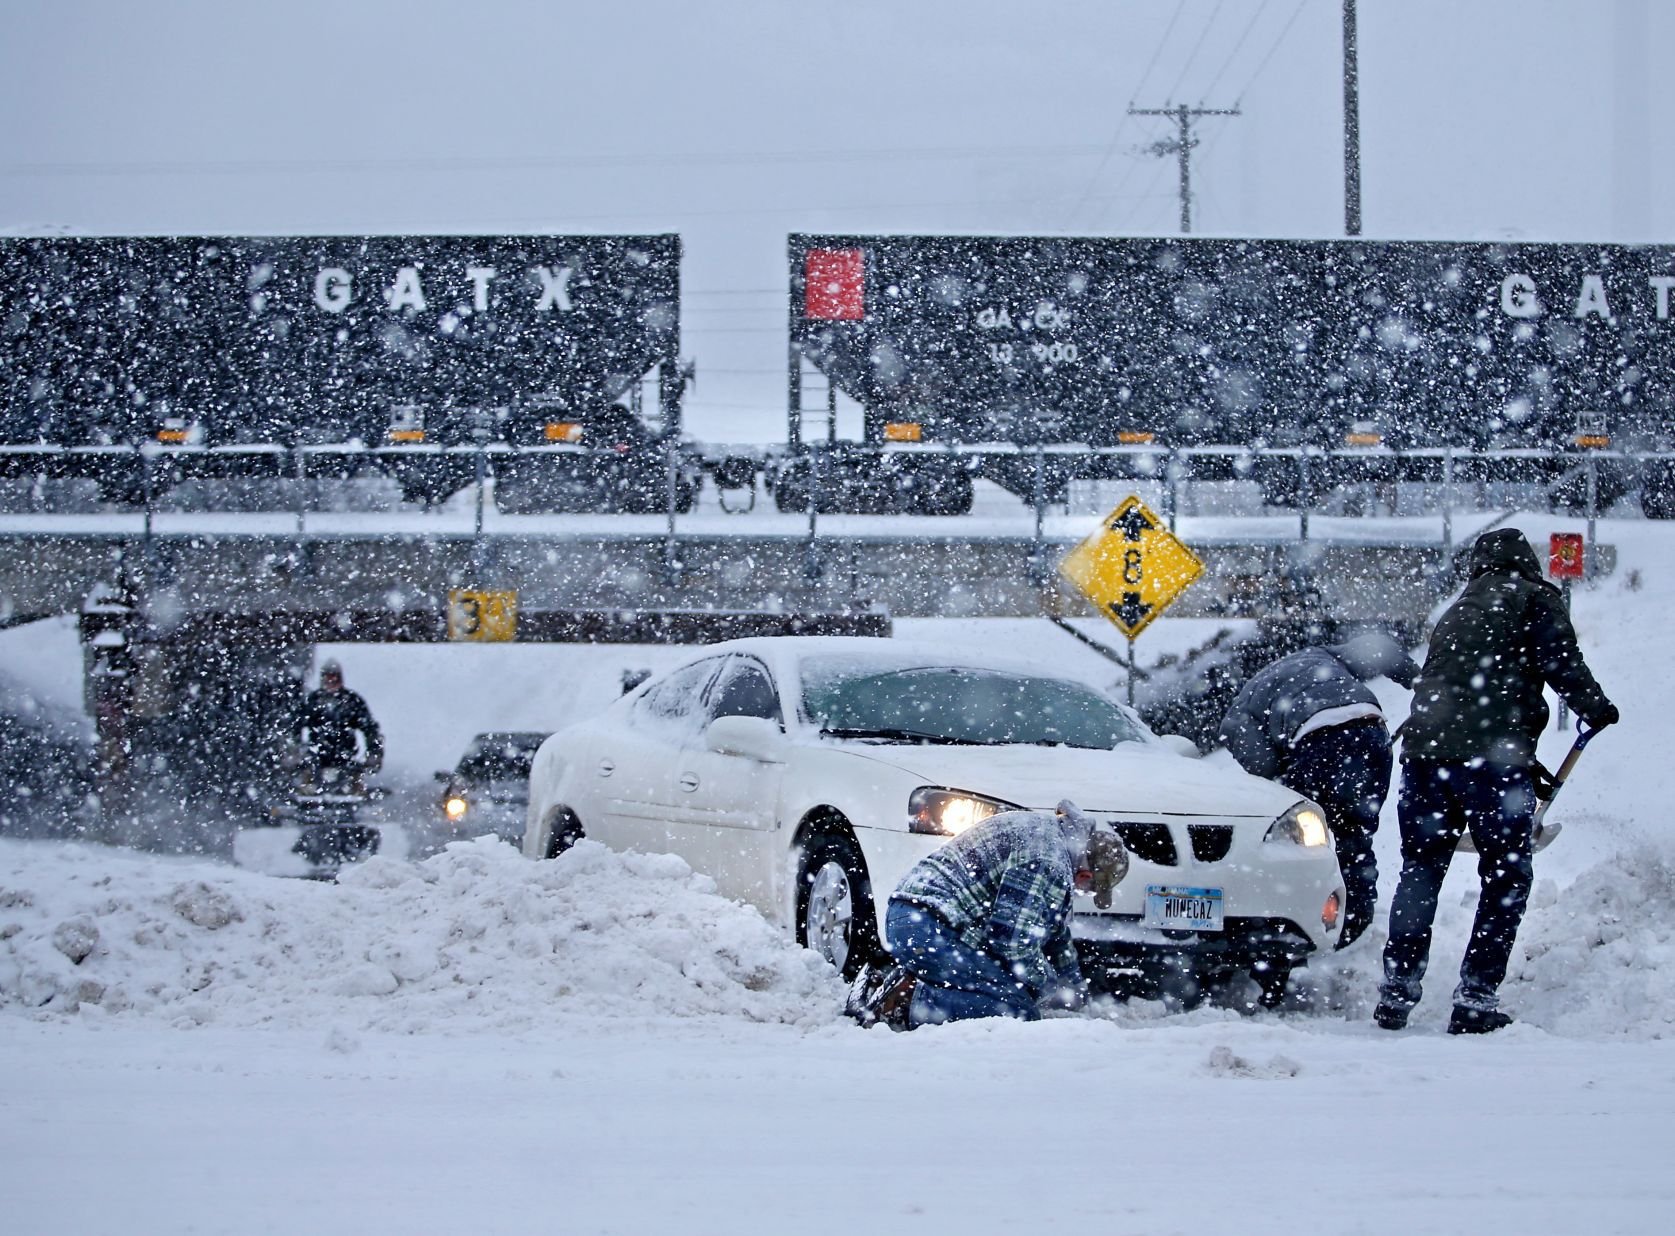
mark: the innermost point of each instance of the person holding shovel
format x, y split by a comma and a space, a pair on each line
1468, 763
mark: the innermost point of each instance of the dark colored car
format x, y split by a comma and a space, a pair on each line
488, 790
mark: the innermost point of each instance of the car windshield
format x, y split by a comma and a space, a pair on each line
854, 698
499, 757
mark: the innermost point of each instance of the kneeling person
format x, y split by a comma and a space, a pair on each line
983, 924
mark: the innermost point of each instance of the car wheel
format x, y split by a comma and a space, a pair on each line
835, 914
565, 832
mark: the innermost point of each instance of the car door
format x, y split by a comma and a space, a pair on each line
723, 820
632, 763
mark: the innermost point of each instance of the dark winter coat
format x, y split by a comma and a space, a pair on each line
1493, 650
1269, 710
326, 726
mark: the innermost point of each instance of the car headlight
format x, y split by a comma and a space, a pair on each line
947, 813
1302, 825
454, 806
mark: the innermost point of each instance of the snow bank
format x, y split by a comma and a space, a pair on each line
474, 938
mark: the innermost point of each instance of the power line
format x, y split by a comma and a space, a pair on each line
1157, 51
236, 167
1295, 13
1210, 144
1196, 47
1237, 47
824, 208
1122, 122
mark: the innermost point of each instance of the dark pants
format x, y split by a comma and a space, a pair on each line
956, 981
1439, 801
1346, 769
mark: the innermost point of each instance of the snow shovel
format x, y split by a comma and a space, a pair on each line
1544, 832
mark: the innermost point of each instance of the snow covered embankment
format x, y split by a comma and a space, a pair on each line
474, 938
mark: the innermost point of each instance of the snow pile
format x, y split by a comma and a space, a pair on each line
1597, 959
474, 938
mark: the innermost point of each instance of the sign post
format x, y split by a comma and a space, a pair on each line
1567, 559
1132, 568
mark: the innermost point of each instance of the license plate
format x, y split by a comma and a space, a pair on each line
1183, 909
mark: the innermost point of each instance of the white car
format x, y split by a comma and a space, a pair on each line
807, 774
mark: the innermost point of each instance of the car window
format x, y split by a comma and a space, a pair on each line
960, 704
673, 707
744, 690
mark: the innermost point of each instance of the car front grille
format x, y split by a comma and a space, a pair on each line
1210, 842
1150, 843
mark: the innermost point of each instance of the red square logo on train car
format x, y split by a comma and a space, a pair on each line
834, 284
1564, 555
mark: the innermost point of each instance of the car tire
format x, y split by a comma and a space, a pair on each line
835, 915
566, 830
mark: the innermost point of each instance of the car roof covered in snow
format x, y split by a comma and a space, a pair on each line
783, 652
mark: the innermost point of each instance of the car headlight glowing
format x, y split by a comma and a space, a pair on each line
947, 813
454, 805
1302, 825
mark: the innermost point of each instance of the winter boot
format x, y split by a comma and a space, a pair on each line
895, 997
1467, 1020
1389, 1016
863, 991
881, 994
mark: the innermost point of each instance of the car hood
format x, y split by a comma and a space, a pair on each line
1143, 778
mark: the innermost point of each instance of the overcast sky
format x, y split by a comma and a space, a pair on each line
734, 122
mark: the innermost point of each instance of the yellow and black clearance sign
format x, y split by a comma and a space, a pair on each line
1131, 566
477, 614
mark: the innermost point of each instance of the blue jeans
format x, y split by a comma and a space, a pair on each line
956, 981
1346, 769
1440, 800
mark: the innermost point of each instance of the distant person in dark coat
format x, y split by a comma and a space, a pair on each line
328, 721
1467, 756
1310, 722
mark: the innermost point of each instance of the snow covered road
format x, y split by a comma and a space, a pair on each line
598, 1044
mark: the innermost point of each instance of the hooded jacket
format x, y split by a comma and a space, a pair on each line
1493, 650
1262, 723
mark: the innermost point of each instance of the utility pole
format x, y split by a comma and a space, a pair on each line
1182, 146
1351, 126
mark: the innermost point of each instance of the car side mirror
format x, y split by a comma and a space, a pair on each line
1180, 744
444, 774
754, 738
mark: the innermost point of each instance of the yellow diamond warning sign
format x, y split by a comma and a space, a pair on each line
1131, 566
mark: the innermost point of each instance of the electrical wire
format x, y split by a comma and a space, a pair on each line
213, 167
1122, 122
1237, 47
1185, 68
553, 222
1291, 21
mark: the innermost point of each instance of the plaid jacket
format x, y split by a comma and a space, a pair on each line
1005, 887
